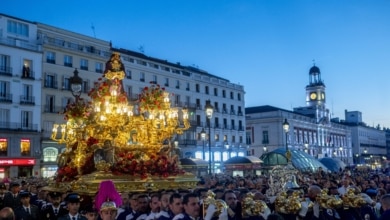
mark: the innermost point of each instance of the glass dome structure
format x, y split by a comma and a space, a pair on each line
300, 160
333, 164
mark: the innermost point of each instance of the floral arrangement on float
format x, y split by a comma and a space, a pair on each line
113, 136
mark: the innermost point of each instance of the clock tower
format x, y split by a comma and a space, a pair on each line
315, 98
315, 91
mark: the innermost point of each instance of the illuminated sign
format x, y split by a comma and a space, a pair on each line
16, 162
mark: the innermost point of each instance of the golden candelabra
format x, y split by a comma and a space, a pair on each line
108, 138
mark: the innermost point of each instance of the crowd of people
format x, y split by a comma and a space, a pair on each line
31, 199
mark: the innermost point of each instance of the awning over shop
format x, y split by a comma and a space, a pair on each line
193, 163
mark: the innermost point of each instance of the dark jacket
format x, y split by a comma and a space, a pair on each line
22, 214
10, 201
67, 217
48, 213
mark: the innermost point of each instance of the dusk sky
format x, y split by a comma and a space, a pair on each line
266, 46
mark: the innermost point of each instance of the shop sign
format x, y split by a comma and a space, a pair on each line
16, 162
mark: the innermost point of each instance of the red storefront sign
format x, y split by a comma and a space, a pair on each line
17, 162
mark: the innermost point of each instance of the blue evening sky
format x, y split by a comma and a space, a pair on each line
266, 45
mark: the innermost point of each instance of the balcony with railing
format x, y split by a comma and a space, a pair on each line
6, 97
28, 74
5, 71
20, 43
18, 126
27, 100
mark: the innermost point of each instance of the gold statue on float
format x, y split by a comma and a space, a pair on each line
109, 137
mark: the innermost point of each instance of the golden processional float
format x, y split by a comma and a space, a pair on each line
107, 138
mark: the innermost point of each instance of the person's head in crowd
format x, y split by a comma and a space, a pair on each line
259, 196
14, 187
125, 200
230, 198
25, 198
143, 203
230, 185
3, 189
24, 185
176, 203
333, 190
219, 185
73, 203
164, 200
155, 203
133, 201
218, 193
385, 202
313, 191
89, 212
108, 210
373, 184
42, 192
345, 182
7, 213
241, 182
55, 198
32, 189
191, 205
201, 192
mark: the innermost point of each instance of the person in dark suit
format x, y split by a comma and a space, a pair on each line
385, 203
12, 198
26, 211
235, 208
73, 205
53, 210
3, 189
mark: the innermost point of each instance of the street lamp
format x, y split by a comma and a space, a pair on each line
209, 114
203, 136
75, 84
286, 128
265, 149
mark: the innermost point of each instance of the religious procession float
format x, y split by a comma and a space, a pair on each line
109, 138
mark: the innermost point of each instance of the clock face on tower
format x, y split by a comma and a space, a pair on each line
313, 96
323, 96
